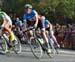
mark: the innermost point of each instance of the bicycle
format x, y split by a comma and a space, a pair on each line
16, 45
35, 44
53, 46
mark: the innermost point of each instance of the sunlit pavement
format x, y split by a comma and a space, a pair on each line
27, 56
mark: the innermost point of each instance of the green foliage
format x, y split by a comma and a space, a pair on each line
50, 8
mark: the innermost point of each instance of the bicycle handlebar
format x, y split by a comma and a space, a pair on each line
29, 29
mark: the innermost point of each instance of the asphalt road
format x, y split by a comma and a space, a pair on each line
27, 56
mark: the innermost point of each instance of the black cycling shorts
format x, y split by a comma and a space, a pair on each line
31, 23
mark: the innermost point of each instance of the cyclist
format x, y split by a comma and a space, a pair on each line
6, 24
48, 27
19, 29
31, 18
19, 25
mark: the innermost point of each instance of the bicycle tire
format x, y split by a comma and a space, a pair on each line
3, 44
37, 54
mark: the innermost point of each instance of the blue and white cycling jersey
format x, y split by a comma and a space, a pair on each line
20, 25
31, 16
46, 23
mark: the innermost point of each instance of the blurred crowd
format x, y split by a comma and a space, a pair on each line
65, 35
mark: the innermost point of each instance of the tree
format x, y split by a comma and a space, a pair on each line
52, 9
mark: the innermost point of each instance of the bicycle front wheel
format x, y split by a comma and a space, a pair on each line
17, 45
3, 44
36, 48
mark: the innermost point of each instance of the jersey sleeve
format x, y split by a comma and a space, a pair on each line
35, 12
2, 16
24, 18
47, 21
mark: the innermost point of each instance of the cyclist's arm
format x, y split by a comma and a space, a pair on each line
51, 28
36, 18
25, 22
36, 23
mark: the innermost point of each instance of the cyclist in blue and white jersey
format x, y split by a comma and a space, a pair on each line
48, 27
31, 18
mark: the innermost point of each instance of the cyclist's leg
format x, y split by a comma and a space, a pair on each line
30, 32
8, 29
51, 32
54, 38
43, 34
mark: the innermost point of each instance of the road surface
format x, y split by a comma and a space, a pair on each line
27, 56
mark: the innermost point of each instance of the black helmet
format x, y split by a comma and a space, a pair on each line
28, 6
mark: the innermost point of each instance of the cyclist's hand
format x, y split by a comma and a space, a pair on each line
24, 30
35, 26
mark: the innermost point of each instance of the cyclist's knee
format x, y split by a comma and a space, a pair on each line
43, 32
7, 27
30, 33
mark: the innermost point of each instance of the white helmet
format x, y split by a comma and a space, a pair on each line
28, 6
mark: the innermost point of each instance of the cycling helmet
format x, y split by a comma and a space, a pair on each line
28, 6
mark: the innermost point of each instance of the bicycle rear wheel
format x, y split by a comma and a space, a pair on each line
36, 47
